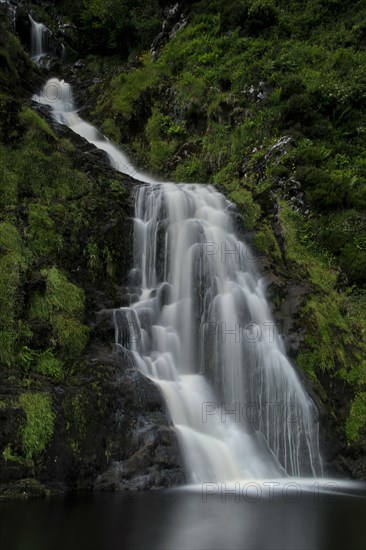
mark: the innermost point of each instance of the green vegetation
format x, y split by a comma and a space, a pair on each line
11, 267
213, 107
39, 426
227, 86
111, 26
334, 319
357, 417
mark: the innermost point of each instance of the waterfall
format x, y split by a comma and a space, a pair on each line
202, 329
39, 33
44, 43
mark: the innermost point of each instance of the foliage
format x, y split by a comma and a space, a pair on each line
118, 25
11, 267
39, 426
250, 209
357, 417
50, 366
212, 74
232, 82
335, 321
72, 336
63, 306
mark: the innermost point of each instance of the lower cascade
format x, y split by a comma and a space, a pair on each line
200, 327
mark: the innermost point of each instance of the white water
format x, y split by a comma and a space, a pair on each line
43, 43
58, 95
202, 329
39, 33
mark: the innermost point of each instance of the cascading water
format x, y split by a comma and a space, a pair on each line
39, 33
43, 43
202, 329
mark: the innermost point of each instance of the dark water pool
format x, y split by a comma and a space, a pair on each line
185, 519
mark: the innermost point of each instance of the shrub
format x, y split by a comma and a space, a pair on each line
262, 14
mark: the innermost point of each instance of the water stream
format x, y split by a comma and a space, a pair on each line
202, 328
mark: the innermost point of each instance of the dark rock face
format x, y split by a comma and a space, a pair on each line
23, 28
111, 430
121, 439
174, 21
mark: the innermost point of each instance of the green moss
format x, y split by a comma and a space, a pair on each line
37, 125
39, 426
79, 404
43, 236
9, 183
62, 306
12, 264
327, 334
301, 249
334, 321
10, 455
60, 296
266, 243
191, 170
357, 417
63, 295
128, 87
249, 208
50, 366
162, 144
71, 335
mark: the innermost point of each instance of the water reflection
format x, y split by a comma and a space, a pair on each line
184, 519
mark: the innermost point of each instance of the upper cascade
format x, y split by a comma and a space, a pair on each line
43, 43
202, 329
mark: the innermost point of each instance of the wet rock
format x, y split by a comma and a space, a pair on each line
41, 333
23, 27
279, 149
257, 93
37, 283
79, 64
103, 329
157, 457
294, 296
10, 11
174, 21
24, 489
125, 441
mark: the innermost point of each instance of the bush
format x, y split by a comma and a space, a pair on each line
262, 14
